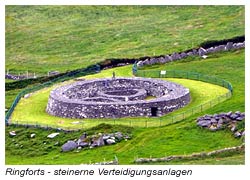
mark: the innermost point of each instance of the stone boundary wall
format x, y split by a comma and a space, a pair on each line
75, 100
192, 156
194, 52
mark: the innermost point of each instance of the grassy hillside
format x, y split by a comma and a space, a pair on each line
43, 38
32, 110
181, 138
228, 65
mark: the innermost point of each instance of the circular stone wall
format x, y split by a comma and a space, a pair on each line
115, 98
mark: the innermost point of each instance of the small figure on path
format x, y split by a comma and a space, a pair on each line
113, 75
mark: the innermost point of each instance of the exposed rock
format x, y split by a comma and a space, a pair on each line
213, 128
83, 144
195, 52
146, 62
26, 96
105, 137
53, 135
153, 61
213, 120
233, 128
140, 63
119, 136
237, 134
220, 121
68, 146
204, 56
175, 56
240, 118
202, 51
56, 143
83, 137
229, 46
204, 123
229, 113
234, 116
98, 142
168, 58
12, 133
217, 121
32, 135
183, 55
110, 141
190, 53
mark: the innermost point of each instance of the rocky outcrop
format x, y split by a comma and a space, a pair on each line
68, 146
223, 120
94, 141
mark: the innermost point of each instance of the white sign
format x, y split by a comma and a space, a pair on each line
163, 72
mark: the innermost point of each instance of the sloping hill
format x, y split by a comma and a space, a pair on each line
45, 38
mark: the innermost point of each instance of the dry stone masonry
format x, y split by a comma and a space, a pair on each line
195, 52
240, 148
117, 97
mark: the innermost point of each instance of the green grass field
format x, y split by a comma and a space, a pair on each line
176, 139
32, 110
180, 138
45, 38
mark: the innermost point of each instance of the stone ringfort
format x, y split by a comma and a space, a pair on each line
117, 97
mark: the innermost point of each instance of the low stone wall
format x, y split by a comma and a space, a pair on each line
192, 156
195, 52
89, 99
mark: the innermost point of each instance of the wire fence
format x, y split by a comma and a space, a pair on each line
67, 76
184, 74
133, 122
